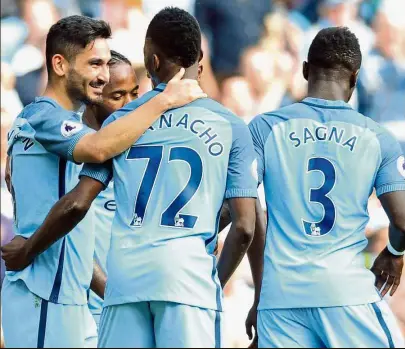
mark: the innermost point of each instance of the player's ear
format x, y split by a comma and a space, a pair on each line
60, 65
200, 71
305, 70
353, 79
156, 62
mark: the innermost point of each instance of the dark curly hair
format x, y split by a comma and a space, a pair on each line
335, 48
177, 35
117, 58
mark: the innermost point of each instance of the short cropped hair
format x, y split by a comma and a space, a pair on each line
117, 58
335, 48
177, 34
72, 34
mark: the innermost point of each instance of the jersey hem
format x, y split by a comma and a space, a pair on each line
303, 305
131, 299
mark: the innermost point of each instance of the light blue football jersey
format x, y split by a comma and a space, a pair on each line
169, 188
104, 210
41, 144
319, 161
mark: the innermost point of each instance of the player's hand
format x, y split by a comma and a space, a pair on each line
255, 343
387, 269
15, 254
251, 321
180, 92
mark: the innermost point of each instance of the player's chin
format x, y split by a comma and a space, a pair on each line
95, 98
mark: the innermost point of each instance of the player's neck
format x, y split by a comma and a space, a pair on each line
329, 90
166, 75
58, 93
89, 118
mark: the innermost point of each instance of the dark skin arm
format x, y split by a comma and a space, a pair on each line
256, 260
388, 267
62, 218
7, 177
225, 218
239, 237
98, 281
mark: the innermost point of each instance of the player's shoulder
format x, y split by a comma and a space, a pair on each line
366, 122
218, 109
45, 107
270, 119
386, 138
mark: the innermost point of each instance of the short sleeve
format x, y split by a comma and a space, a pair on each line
100, 172
59, 131
241, 178
259, 131
391, 173
111, 118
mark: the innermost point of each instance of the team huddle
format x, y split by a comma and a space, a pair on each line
118, 201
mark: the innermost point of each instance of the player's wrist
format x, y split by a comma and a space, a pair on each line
28, 251
394, 251
164, 101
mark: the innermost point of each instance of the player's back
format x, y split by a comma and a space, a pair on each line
321, 162
169, 190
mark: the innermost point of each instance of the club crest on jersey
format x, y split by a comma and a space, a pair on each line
136, 221
401, 165
179, 221
70, 128
315, 231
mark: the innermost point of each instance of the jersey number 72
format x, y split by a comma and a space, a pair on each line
171, 217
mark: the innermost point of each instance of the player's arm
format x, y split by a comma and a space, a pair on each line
390, 188
259, 131
98, 281
225, 217
62, 218
241, 194
389, 264
255, 252
256, 256
119, 135
7, 176
239, 238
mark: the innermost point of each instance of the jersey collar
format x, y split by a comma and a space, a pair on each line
325, 103
160, 87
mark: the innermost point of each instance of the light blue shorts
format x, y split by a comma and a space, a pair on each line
360, 326
32, 322
159, 324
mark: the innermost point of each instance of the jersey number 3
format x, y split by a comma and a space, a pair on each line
171, 217
320, 196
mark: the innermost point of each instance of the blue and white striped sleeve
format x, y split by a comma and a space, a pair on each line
99, 172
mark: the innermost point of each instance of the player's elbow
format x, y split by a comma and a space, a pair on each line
89, 150
245, 228
97, 155
78, 208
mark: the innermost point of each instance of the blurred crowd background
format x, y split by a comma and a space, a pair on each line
253, 53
